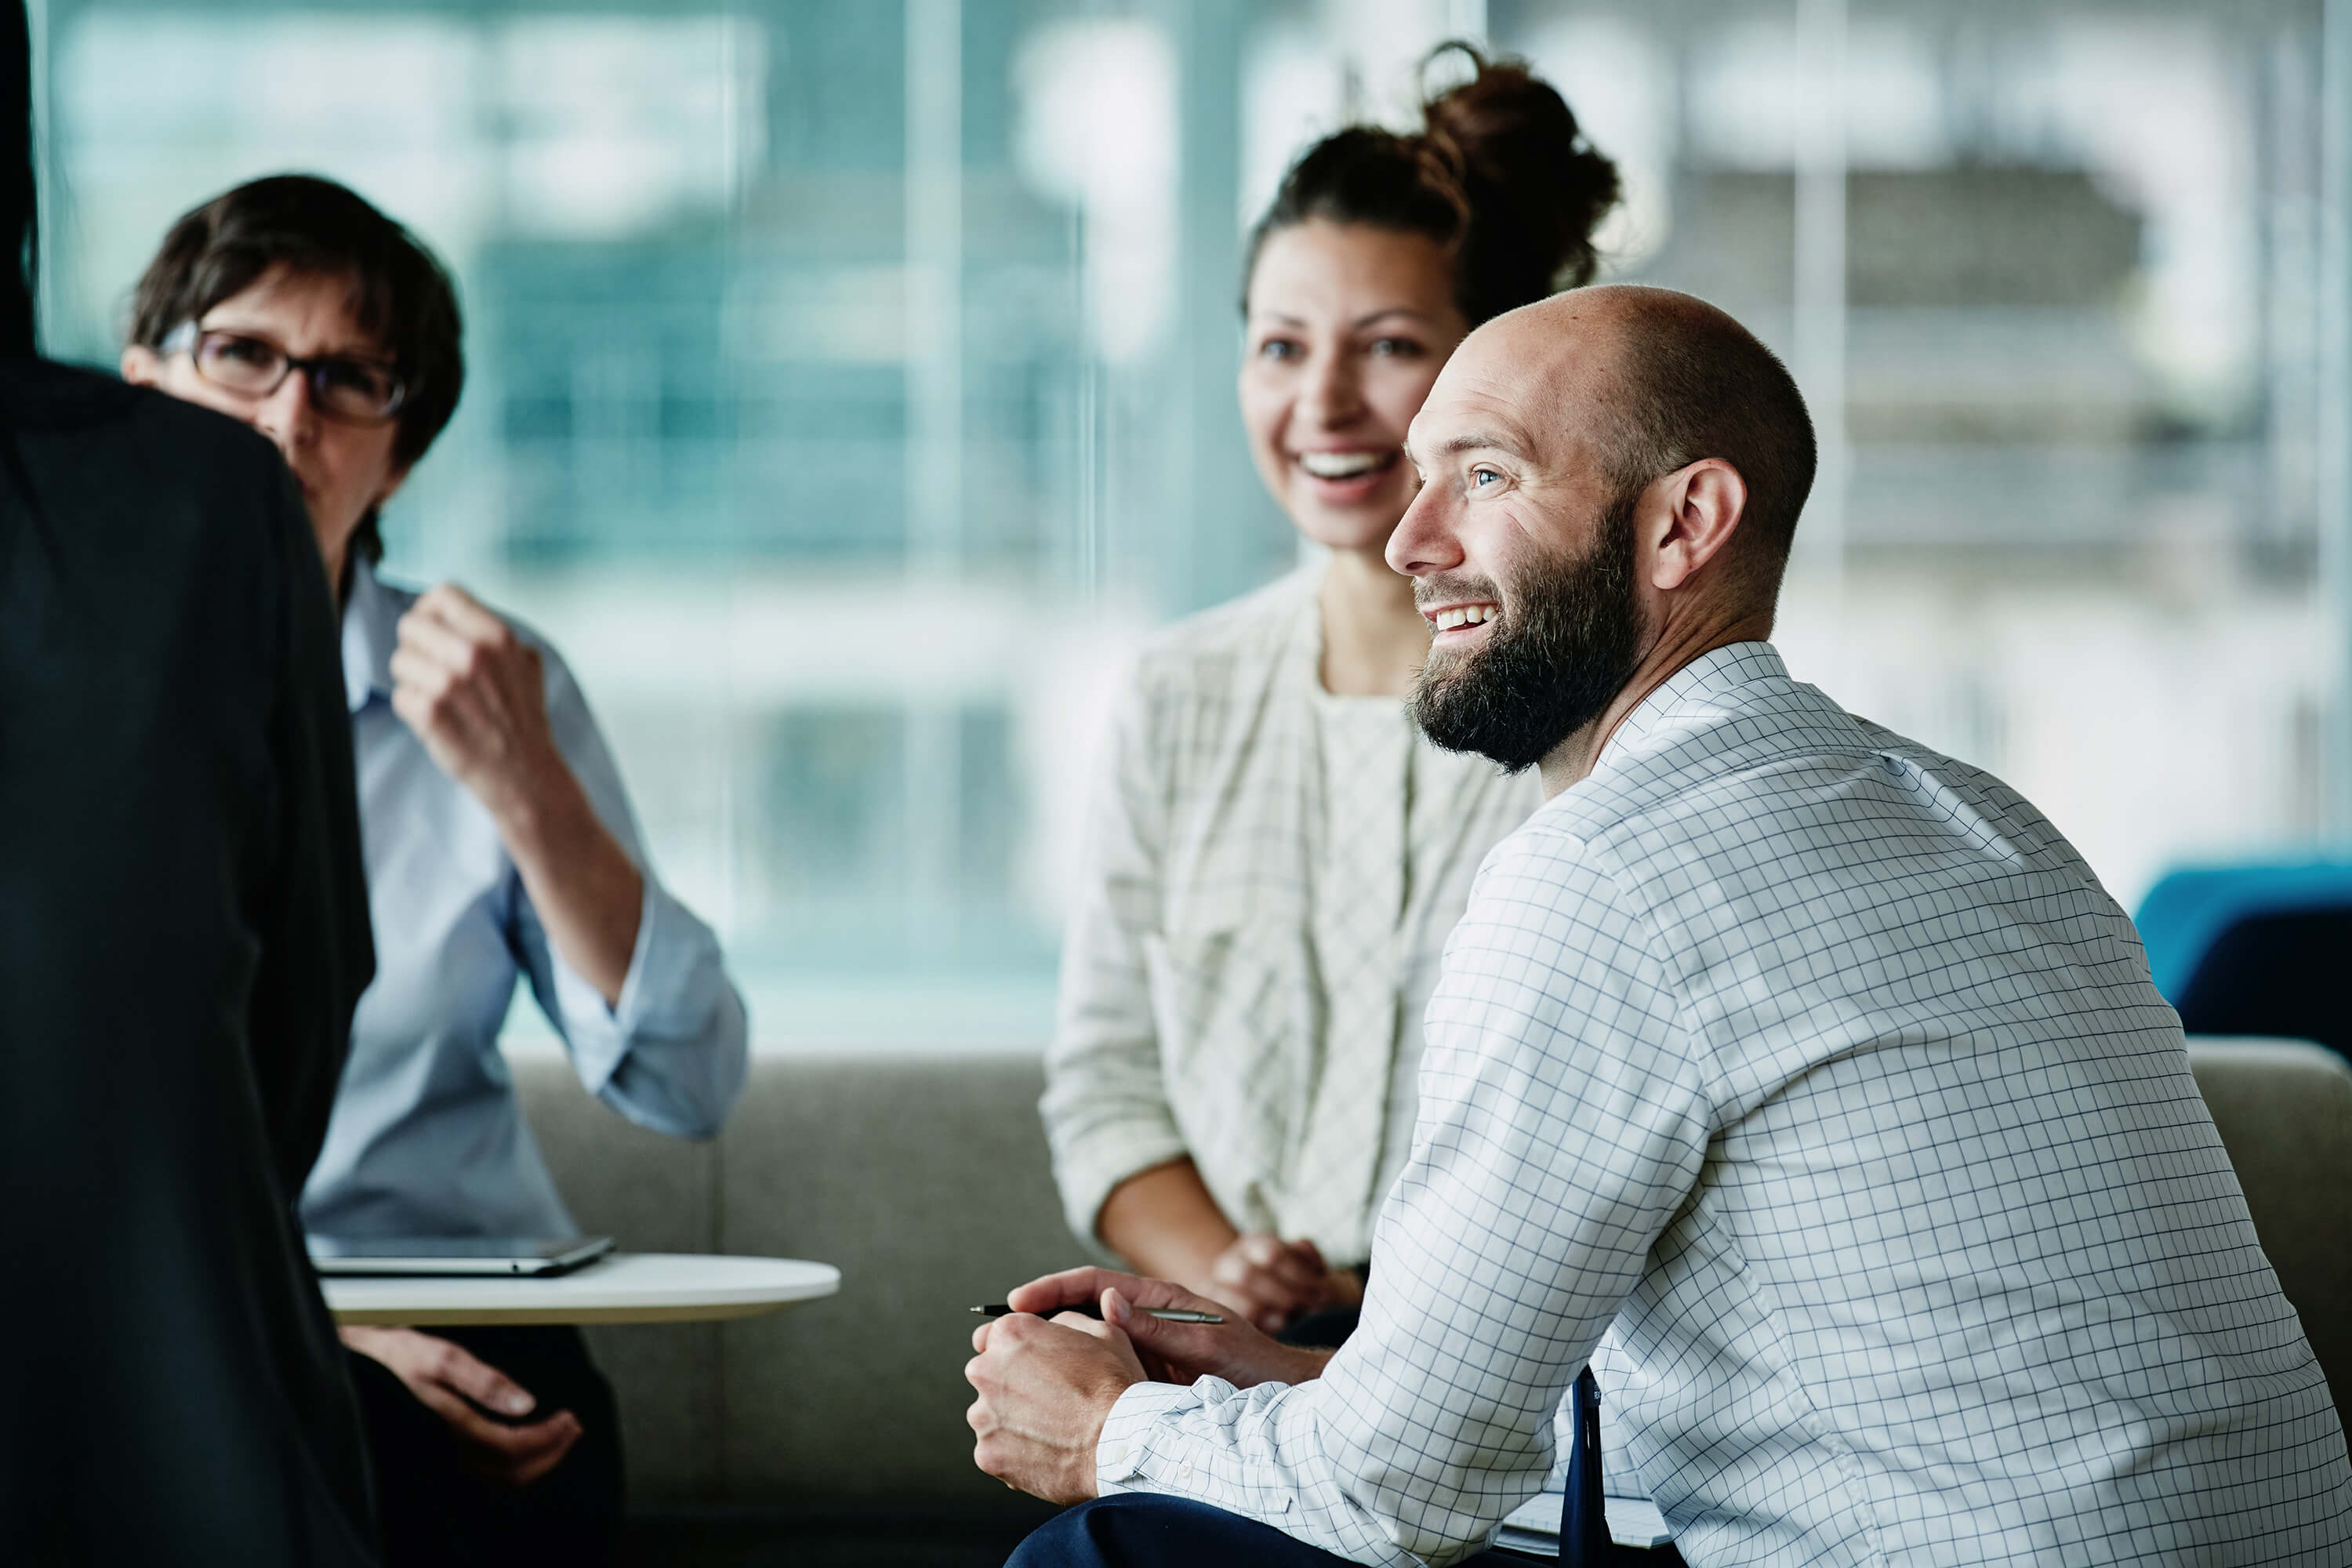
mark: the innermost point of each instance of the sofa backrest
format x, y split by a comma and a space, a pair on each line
2285, 1111
925, 1180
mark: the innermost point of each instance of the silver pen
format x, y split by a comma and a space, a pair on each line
1090, 1309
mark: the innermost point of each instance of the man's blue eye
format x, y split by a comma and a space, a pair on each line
1480, 476
1278, 348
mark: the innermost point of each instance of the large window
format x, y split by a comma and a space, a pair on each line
852, 384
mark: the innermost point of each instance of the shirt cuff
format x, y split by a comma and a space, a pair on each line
659, 964
1123, 1452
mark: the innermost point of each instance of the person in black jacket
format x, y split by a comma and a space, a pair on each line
182, 937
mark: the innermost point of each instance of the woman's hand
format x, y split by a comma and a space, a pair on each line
1165, 1223
444, 1379
1273, 1282
476, 695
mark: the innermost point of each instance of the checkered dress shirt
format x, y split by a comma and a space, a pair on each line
1809, 1084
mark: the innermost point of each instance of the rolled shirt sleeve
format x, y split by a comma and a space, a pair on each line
672, 1054
1503, 1252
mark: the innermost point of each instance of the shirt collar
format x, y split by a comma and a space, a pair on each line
1700, 684
371, 630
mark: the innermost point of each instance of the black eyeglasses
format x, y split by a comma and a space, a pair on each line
358, 390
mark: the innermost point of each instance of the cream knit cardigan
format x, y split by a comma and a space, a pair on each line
1191, 1018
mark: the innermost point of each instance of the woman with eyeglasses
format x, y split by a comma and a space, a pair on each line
1276, 856
499, 847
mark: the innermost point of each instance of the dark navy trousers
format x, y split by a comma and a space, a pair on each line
1146, 1530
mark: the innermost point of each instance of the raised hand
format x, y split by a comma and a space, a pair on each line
475, 694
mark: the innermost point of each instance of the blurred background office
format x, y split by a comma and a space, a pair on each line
853, 382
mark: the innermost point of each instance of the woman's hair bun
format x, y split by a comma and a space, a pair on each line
1500, 174
1536, 187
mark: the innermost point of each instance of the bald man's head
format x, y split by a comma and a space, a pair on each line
1609, 478
1665, 379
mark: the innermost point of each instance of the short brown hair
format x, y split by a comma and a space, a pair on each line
1697, 384
313, 226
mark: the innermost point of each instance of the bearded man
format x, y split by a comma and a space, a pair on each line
1803, 1082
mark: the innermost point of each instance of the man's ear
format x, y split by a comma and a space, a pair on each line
141, 366
1705, 502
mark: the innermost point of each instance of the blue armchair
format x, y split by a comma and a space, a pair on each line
2257, 949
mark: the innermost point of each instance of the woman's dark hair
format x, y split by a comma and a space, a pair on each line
315, 227
1499, 174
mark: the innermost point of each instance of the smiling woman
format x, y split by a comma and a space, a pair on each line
1277, 856
1348, 326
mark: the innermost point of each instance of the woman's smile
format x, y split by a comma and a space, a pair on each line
1342, 477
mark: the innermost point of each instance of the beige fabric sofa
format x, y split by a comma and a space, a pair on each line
924, 1179
2284, 1110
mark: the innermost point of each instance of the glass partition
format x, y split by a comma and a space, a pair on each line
852, 386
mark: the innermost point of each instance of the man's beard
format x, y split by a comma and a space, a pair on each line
1553, 665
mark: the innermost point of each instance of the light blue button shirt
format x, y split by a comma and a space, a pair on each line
426, 1138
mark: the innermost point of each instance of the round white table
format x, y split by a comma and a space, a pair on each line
625, 1287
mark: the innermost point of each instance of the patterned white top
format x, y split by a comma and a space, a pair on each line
1808, 1083
1222, 996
